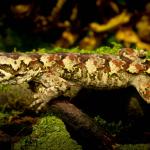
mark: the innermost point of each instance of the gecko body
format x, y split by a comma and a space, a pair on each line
67, 73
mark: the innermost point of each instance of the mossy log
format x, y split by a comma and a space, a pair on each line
83, 125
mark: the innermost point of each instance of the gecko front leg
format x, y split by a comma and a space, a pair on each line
50, 87
142, 84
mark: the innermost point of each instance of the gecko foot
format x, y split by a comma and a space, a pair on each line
43, 97
42, 103
38, 101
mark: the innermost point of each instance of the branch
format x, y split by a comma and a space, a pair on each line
83, 125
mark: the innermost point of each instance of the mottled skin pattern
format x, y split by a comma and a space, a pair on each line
65, 74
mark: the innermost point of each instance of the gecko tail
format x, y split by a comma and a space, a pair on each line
142, 84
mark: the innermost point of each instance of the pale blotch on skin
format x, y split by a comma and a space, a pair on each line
114, 68
4, 60
6, 77
28, 76
68, 63
133, 56
148, 71
78, 74
90, 66
104, 78
15, 63
45, 60
25, 58
132, 68
101, 62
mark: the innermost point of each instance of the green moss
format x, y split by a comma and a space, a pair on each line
113, 127
16, 97
48, 133
112, 49
148, 54
134, 147
3, 118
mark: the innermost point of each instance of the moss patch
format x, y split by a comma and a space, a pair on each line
134, 147
113, 48
17, 97
48, 133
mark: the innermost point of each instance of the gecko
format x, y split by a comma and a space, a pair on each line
65, 74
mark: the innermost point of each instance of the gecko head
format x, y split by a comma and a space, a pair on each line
142, 84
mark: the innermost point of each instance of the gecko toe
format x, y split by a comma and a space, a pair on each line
38, 101
42, 105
